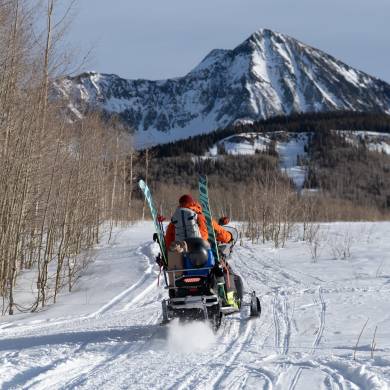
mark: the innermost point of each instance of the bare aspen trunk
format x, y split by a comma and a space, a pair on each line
131, 184
114, 187
146, 180
57, 178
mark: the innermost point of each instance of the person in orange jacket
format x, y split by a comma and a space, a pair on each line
187, 201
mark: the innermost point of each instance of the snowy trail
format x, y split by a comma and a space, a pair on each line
304, 339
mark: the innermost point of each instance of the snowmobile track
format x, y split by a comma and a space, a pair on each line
229, 338
149, 276
235, 349
276, 322
282, 321
317, 340
321, 327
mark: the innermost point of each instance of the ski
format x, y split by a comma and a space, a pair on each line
157, 224
204, 201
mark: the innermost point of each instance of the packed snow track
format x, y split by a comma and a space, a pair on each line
107, 333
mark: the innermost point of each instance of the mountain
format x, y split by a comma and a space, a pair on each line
268, 74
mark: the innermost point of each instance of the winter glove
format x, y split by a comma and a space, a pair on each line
159, 260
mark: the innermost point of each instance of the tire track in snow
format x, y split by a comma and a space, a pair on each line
79, 365
317, 340
282, 270
235, 367
269, 264
234, 347
276, 322
28, 377
237, 347
103, 367
48, 371
277, 280
287, 320
141, 252
345, 374
227, 358
333, 380
280, 307
230, 332
282, 321
228, 328
321, 327
265, 274
348, 375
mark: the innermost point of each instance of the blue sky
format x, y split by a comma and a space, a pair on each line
157, 39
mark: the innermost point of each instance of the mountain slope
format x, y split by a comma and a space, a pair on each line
268, 74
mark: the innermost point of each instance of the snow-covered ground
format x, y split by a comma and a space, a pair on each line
106, 335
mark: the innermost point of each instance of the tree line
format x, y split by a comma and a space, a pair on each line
296, 123
247, 187
60, 180
348, 171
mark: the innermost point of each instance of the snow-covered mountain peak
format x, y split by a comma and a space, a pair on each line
264, 39
268, 74
212, 59
256, 43
262, 35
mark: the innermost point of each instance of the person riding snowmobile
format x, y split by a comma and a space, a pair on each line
187, 202
188, 221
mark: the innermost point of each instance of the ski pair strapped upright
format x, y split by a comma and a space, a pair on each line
204, 201
156, 221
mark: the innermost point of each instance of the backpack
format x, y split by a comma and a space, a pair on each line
186, 224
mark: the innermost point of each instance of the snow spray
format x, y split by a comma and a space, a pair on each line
189, 337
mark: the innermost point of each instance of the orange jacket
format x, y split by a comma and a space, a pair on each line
221, 234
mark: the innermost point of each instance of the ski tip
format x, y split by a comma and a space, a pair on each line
141, 184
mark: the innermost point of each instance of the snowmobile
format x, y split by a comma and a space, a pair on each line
204, 289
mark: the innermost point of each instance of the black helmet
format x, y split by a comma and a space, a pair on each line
198, 257
198, 251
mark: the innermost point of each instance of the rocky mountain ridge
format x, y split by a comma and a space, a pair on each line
268, 74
